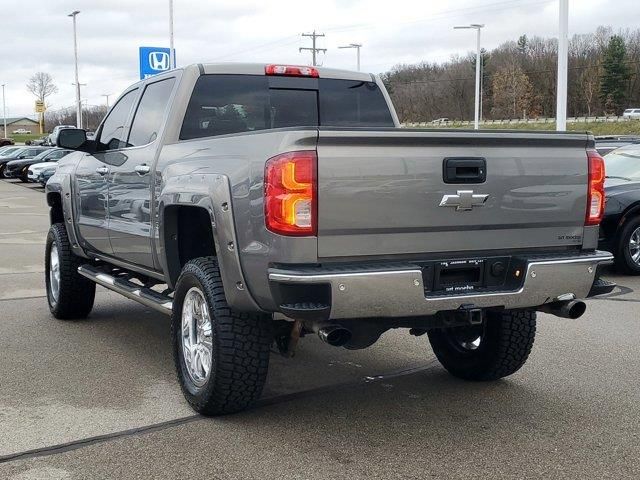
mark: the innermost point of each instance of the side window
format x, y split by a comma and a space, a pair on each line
56, 155
150, 113
113, 127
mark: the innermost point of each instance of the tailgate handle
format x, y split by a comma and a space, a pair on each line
464, 170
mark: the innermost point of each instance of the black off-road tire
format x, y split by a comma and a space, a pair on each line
76, 293
623, 261
505, 344
241, 344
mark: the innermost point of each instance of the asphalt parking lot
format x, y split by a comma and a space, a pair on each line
98, 398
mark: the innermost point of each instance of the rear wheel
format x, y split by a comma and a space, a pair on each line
69, 294
492, 350
627, 255
221, 356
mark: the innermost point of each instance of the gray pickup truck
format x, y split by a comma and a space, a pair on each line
258, 204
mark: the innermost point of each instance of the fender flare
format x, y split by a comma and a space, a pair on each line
211, 192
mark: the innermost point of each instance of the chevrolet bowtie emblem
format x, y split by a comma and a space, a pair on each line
464, 200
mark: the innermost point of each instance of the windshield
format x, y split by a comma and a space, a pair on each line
42, 155
9, 151
623, 165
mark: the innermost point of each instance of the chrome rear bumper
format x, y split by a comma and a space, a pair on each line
398, 291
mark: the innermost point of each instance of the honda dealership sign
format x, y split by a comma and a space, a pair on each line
154, 60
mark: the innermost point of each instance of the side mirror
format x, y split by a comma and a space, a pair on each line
71, 138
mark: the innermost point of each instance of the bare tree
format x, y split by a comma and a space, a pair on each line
589, 83
41, 85
512, 91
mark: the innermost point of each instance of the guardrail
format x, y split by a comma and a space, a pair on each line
543, 120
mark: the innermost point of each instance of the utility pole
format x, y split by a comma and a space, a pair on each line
563, 67
4, 112
478, 27
313, 49
77, 83
357, 46
107, 95
172, 57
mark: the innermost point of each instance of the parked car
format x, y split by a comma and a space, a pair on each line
22, 131
633, 113
325, 212
53, 136
45, 174
19, 154
19, 168
440, 121
7, 149
39, 141
6, 141
620, 228
609, 143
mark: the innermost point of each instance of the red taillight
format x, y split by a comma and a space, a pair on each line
290, 203
291, 71
595, 197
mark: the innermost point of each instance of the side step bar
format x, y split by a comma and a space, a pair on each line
145, 296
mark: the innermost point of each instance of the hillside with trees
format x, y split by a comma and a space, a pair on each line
519, 80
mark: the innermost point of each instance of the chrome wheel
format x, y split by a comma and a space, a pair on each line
197, 346
634, 246
54, 272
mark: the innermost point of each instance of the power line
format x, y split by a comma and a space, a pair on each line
313, 49
446, 14
284, 41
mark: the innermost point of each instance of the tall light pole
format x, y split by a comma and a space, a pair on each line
4, 112
563, 67
172, 57
107, 95
478, 27
77, 83
357, 46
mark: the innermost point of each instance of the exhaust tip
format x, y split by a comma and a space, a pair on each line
576, 309
335, 336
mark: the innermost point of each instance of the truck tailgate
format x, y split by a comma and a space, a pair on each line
384, 192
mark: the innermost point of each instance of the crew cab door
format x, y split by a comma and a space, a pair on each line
91, 177
130, 182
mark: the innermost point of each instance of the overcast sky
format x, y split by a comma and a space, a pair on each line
39, 36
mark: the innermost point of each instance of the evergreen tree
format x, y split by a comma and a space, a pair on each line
615, 75
523, 44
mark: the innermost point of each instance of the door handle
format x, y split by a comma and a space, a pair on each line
102, 170
142, 169
464, 170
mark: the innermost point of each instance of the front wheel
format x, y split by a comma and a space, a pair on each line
221, 356
627, 255
492, 350
69, 294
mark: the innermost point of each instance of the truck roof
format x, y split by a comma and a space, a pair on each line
236, 68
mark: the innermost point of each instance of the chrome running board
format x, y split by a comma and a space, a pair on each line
146, 296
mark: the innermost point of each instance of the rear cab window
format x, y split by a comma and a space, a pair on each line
226, 104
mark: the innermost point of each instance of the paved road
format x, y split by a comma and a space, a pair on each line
98, 398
